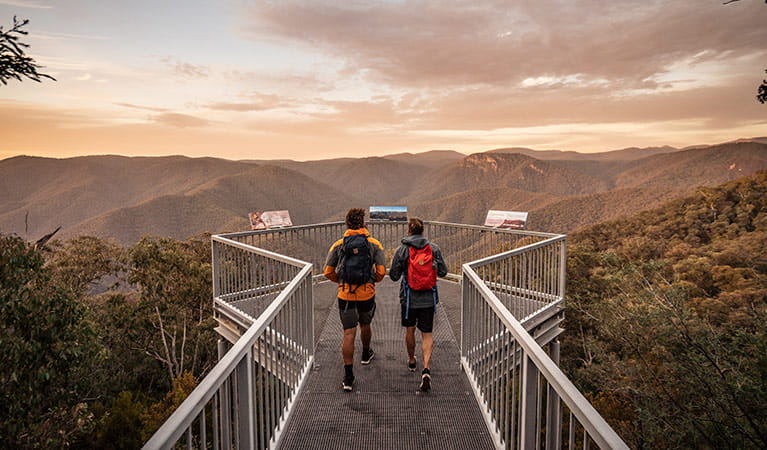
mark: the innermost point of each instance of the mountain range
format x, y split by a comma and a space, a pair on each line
124, 198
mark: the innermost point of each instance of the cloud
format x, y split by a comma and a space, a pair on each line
145, 108
256, 102
185, 69
282, 81
179, 120
454, 43
240, 107
57, 36
25, 4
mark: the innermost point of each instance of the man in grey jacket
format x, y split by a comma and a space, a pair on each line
418, 306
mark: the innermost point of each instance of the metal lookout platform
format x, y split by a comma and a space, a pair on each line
495, 365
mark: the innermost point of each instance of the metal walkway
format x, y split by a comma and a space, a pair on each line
278, 380
386, 409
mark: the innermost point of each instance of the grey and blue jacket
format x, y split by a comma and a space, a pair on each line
418, 299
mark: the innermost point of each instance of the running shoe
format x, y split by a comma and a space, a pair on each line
411, 366
425, 382
348, 383
367, 356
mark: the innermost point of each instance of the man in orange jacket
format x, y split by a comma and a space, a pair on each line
356, 263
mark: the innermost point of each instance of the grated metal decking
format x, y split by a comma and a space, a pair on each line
386, 410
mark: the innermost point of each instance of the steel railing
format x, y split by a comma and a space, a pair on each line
517, 278
247, 397
521, 390
459, 243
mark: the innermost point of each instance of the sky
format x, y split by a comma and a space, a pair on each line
302, 80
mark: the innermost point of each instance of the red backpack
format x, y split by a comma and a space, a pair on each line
421, 274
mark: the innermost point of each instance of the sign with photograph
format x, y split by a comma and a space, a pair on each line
506, 219
389, 213
269, 219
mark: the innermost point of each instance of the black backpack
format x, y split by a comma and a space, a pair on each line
355, 264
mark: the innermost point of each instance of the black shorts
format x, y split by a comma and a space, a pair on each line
354, 312
422, 317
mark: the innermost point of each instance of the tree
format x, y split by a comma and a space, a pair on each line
14, 63
668, 312
761, 92
47, 349
174, 284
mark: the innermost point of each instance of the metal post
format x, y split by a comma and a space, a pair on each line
224, 393
562, 267
528, 408
553, 407
245, 401
310, 316
216, 268
203, 430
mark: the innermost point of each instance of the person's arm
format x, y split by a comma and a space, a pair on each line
397, 264
441, 266
379, 261
331, 262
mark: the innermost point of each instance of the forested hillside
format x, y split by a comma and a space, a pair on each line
123, 198
667, 322
665, 327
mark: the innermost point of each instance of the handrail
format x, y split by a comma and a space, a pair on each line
493, 229
259, 251
516, 251
238, 359
495, 367
498, 355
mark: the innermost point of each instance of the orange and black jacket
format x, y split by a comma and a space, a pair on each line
377, 271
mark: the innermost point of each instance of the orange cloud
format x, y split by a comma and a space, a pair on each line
179, 120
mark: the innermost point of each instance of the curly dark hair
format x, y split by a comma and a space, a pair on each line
414, 226
355, 218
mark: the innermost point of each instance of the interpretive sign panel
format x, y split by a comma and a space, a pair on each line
269, 219
389, 213
506, 219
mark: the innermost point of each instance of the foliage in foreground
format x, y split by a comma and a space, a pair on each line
99, 342
668, 324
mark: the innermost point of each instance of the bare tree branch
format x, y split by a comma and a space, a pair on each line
183, 344
165, 344
14, 63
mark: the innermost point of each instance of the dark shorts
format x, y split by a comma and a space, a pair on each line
422, 317
354, 312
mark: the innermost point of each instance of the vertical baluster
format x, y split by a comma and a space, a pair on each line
284, 385
260, 397
292, 342
527, 410
538, 409
515, 419
487, 355
504, 385
554, 409
492, 362
273, 403
245, 402
215, 414
216, 265
203, 430
464, 315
